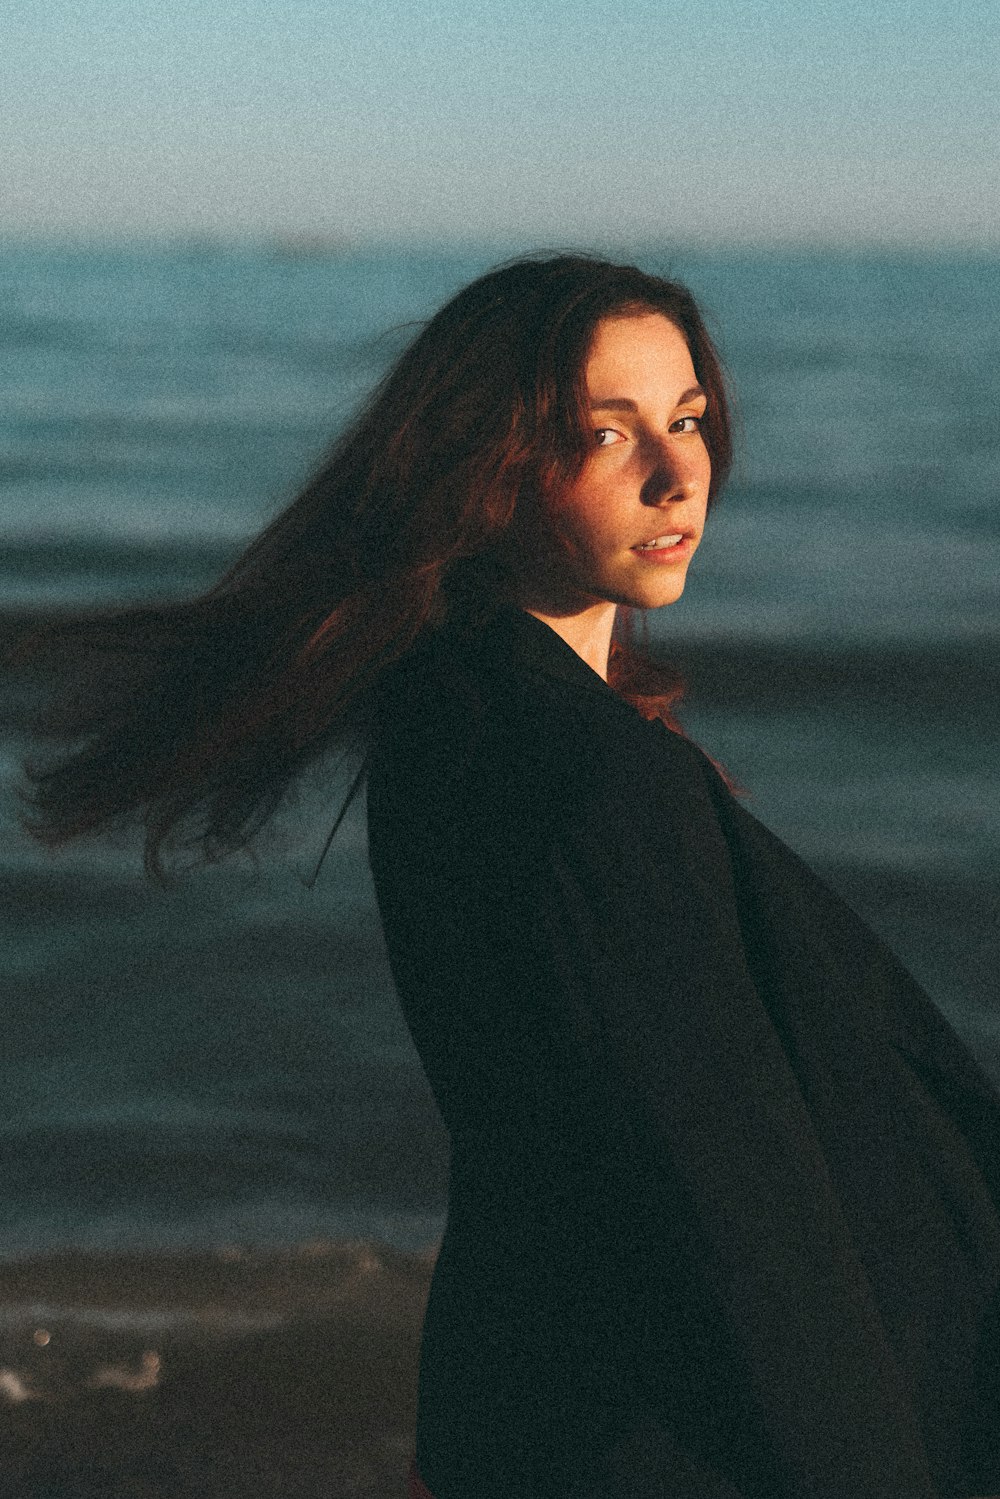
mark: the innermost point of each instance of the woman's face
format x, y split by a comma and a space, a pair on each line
625, 530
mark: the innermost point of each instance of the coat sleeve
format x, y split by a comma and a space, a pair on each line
914, 1024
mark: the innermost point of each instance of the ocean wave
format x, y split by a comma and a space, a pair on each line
82, 556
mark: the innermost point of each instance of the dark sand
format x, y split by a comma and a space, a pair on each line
239, 1375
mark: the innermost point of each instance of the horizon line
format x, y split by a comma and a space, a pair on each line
311, 243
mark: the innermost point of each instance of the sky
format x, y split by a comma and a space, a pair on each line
439, 121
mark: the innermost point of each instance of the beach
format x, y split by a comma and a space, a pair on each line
215, 1376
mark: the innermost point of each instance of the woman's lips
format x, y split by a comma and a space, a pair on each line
678, 551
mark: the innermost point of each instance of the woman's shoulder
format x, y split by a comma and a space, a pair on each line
507, 728
479, 708
467, 675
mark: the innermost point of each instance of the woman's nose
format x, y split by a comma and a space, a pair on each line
675, 473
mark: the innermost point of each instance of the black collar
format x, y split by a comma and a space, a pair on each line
537, 645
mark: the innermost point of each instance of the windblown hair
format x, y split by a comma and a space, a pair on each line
197, 715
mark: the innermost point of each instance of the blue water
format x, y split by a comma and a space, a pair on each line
225, 1061
160, 405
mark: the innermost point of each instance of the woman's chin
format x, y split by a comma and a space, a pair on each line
654, 597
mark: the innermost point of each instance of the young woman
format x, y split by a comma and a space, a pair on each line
724, 1209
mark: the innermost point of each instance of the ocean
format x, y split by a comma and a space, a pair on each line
223, 1063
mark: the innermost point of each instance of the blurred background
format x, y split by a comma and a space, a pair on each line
218, 226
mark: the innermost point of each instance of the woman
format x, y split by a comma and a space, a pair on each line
724, 1207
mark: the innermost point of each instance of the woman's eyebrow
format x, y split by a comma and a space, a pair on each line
625, 403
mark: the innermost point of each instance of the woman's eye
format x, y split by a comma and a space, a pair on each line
605, 436
687, 424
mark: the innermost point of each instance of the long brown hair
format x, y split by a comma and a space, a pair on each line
198, 714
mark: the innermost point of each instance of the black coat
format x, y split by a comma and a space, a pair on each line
724, 1205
